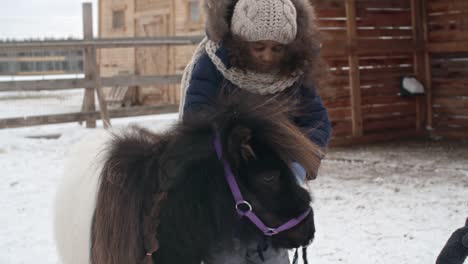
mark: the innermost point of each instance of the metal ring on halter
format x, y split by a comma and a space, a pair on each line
271, 232
249, 207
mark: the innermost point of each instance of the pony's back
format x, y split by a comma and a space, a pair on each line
76, 199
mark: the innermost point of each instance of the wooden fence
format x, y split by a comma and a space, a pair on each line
369, 46
447, 35
93, 81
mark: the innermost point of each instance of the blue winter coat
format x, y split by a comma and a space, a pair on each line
206, 81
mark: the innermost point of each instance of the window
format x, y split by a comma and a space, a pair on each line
4, 68
39, 66
57, 66
65, 66
49, 66
118, 19
194, 10
81, 66
25, 66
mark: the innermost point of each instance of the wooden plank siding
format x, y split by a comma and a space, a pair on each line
447, 42
383, 47
450, 94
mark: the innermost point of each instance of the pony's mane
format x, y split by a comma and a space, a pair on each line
268, 116
124, 190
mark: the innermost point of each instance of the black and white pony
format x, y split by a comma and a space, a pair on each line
144, 197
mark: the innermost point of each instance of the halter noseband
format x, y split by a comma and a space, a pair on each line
243, 207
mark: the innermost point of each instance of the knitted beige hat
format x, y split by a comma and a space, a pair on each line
257, 20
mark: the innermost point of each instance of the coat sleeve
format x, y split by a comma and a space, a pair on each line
203, 87
314, 118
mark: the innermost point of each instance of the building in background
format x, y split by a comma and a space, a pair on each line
149, 18
41, 62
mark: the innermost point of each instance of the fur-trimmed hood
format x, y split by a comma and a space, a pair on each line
219, 13
308, 38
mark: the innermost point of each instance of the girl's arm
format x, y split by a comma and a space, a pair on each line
203, 88
314, 118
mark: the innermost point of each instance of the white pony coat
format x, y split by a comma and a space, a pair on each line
76, 198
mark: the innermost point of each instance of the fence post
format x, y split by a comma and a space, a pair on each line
427, 66
89, 104
100, 95
354, 73
418, 57
92, 72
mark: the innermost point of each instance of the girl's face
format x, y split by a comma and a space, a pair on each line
267, 55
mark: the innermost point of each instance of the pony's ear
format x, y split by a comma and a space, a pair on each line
240, 141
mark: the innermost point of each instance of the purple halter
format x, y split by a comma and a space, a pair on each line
268, 231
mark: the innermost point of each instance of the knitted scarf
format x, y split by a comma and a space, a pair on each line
253, 82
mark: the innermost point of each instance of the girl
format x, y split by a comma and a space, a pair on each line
268, 47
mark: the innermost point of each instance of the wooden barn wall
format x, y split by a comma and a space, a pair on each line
120, 60
369, 45
366, 65
447, 26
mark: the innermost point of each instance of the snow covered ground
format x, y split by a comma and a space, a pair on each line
40, 103
29, 103
386, 203
390, 203
30, 171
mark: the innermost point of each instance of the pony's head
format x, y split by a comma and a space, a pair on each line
270, 191
260, 143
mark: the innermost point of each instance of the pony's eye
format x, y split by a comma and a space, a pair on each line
270, 177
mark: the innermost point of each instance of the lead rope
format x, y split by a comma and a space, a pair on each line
296, 255
304, 256
262, 246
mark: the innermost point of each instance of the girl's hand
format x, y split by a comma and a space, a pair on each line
299, 172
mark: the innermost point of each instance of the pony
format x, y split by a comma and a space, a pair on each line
170, 197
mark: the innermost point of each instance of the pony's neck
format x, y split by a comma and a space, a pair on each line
199, 211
